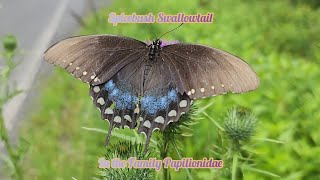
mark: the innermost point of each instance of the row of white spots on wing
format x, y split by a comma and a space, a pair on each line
99, 109
147, 124
85, 73
96, 89
96, 79
117, 119
128, 118
159, 119
101, 101
183, 103
155, 129
108, 111
193, 91
172, 113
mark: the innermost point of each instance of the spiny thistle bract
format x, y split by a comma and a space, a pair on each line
124, 150
239, 124
175, 128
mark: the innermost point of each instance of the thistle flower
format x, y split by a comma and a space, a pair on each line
239, 124
164, 42
168, 42
124, 150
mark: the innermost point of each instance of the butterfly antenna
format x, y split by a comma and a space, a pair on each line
152, 32
171, 30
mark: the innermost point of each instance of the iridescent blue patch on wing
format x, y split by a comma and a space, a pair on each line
123, 100
109, 86
153, 104
172, 95
114, 93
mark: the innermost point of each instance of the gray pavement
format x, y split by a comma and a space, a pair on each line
36, 24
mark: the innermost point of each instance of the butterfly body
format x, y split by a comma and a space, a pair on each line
155, 49
149, 86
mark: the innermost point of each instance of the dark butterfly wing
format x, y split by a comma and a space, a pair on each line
118, 98
131, 97
113, 66
202, 71
161, 103
95, 58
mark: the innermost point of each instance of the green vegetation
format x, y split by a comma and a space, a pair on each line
13, 159
279, 39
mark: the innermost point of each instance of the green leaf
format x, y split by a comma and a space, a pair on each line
269, 140
245, 167
178, 152
8, 162
121, 136
215, 122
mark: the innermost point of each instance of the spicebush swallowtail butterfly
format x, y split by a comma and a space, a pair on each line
131, 81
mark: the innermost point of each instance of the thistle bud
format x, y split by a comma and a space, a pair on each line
239, 124
10, 43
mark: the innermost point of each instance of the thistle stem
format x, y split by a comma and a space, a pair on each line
4, 136
164, 154
4, 97
234, 166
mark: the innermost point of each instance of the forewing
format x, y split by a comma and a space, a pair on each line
202, 71
95, 58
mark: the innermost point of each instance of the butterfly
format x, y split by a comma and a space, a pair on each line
152, 85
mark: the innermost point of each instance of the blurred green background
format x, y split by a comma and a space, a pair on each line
279, 39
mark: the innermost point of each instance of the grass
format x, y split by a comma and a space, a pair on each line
279, 39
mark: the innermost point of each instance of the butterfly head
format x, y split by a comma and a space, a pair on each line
157, 42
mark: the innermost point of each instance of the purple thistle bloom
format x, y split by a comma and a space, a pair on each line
164, 42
